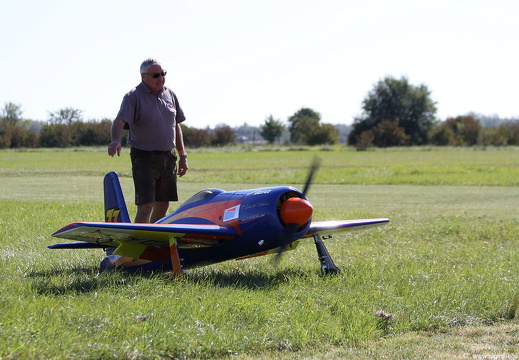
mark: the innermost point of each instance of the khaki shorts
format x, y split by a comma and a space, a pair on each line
154, 176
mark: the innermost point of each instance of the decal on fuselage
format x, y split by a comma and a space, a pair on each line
231, 213
260, 192
255, 205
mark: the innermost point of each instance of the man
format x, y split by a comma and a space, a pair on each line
153, 115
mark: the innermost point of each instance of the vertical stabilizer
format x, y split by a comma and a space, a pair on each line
115, 206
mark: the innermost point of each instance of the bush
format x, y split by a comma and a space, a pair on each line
22, 138
92, 133
195, 138
56, 135
14, 136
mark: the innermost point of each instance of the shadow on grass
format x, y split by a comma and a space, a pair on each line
88, 279
247, 279
83, 280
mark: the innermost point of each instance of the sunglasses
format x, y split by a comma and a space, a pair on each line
156, 75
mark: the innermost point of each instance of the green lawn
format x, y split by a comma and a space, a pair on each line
443, 271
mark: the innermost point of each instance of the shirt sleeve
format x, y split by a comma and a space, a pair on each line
180, 113
127, 110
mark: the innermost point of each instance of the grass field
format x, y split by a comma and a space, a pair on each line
440, 281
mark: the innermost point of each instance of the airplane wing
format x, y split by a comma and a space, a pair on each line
329, 227
106, 234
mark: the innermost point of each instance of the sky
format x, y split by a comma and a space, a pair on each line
237, 62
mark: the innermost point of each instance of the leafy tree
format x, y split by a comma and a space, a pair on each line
459, 131
223, 135
442, 136
66, 116
56, 135
365, 139
272, 129
305, 128
13, 129
465, 130
324, 134
11, 114
508, 133
388, 134
302, 124
195, 138
91, 133
397, 100
23, 138
488, 136
59, 131
5, 135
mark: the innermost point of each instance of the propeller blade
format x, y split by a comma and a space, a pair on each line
313, 169
302, 210
286, 238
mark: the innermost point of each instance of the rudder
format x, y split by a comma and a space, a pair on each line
115, 206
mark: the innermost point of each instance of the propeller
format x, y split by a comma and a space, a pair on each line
295, 211
311, 172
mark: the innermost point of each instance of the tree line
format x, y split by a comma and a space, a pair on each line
394, 113
397, 113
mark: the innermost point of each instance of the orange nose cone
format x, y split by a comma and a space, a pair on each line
296, 211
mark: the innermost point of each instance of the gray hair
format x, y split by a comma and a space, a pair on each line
147, 63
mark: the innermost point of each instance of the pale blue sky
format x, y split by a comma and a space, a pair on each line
237, 62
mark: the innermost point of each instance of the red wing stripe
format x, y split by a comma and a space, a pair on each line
164, 228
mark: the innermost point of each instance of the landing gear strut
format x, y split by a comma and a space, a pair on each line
327, 265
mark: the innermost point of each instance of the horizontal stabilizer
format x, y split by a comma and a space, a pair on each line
77, 245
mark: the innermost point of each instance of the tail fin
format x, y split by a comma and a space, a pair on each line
115, 206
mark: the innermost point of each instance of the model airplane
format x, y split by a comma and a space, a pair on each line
210, 227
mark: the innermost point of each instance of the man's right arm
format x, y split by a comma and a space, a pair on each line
116, 132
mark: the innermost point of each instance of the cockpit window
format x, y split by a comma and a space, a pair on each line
201, 195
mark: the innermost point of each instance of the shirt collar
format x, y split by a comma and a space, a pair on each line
143, 86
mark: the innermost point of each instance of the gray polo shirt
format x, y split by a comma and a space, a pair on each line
151, 118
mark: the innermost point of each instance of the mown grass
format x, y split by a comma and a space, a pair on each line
421, 166
449, 260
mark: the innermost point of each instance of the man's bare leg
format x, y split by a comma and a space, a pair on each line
160, 209
143, 213
151, 212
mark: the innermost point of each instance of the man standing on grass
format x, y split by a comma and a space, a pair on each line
153, 115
